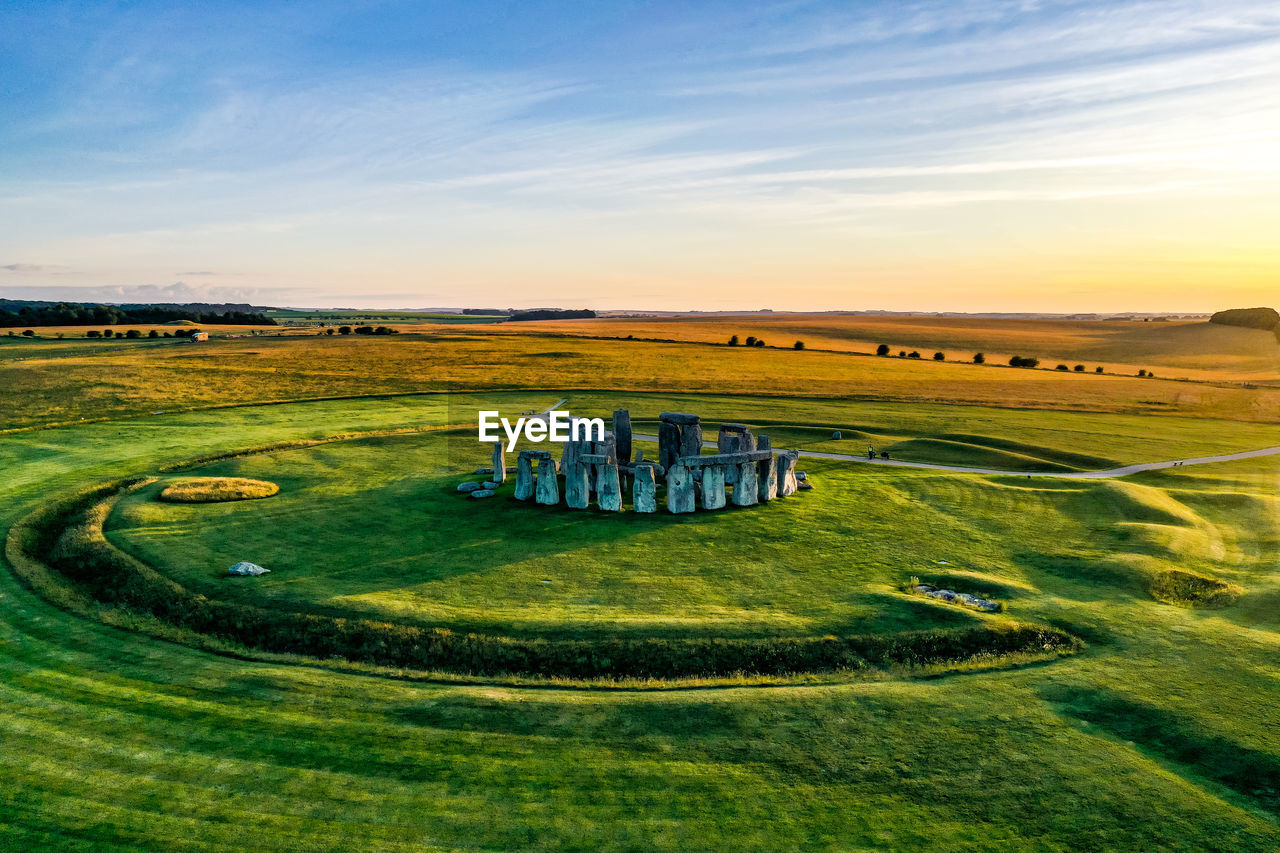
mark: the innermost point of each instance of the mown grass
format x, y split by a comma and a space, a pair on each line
1155, 738
202, 490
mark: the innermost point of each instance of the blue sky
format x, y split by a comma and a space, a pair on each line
920, 156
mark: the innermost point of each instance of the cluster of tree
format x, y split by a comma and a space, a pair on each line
552, 314
1024, 361
70, 539
84, 314
1267, 319
133, 334
365, 330
753, 341
487, 312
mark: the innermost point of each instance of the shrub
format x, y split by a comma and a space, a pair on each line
733, 341
93, 333
751, 340
133, 334
902, 353
883, 349
28, 334
939, 356
1062, 367
153, 334
1024, 361
119, 335
1079, 368
979, 358
759, 342
328, 331
798, 345
344, 330
913, 354
1098, 369
107, 333
168, 334
1191, 590
1142, 373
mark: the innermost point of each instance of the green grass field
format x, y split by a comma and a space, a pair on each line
1158, 736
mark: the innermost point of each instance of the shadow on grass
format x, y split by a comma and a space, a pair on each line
1250, 773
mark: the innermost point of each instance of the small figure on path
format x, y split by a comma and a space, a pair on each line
871, 452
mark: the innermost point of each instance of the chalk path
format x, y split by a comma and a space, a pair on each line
1122, 471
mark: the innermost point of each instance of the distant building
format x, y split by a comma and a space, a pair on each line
196, 337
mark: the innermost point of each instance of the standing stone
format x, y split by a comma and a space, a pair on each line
747, 490
767, 478
764, 443
622, 433
608, 488
577, 492
680, 496
787, 472
644, 489
548, 486
524, 477
668, 443
691, 439
713, 487
729, 441
499, 463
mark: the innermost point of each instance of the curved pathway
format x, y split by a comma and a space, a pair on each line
1122, 471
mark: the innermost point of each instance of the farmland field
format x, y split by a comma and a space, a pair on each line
1157, 734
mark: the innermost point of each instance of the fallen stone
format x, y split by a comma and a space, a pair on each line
800, 475
243, 569
804, 486
483, 493
490, 484
680, 418
484, 471
469, 486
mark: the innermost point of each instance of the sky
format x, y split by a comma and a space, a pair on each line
935, 156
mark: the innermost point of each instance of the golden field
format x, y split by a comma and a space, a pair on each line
1173, 349
69, 380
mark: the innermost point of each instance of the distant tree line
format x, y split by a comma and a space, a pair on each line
553, 314
83, 314
1267, 319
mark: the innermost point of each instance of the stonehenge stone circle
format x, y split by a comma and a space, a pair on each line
745, 470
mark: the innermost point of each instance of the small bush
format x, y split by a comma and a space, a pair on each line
1191, 590
153, 334
28, 334
798, 345
939, 356
913, 354
1098, 369
733, 341
133, 334
93, 333
1024, 361
1063, 368
751, 340
883, 349
1079, 368
759, 342
344, 330
979, 358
